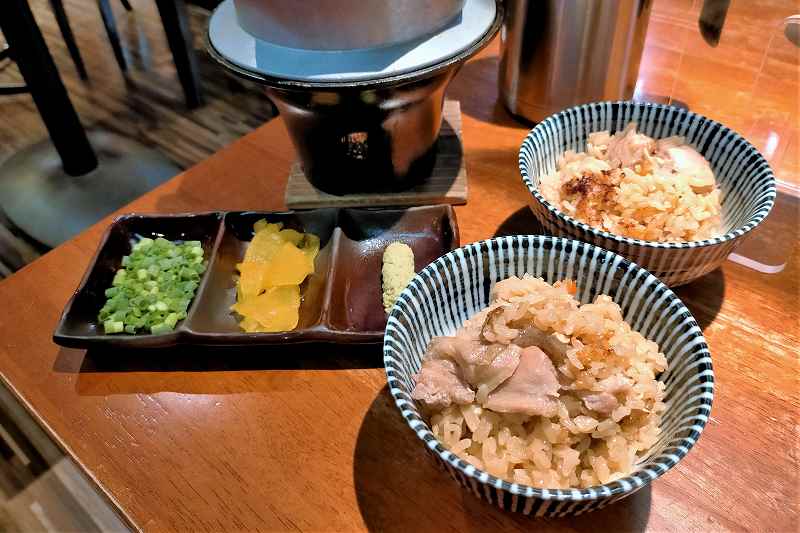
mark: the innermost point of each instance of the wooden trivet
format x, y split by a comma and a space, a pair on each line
446, 185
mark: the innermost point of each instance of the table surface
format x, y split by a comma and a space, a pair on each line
307, 437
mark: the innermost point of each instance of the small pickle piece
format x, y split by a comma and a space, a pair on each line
291, 269
264, 245
276, 309
251, 278
250, 325
292, 236
311, 246
262, 225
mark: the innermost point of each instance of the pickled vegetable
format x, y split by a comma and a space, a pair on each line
276, 263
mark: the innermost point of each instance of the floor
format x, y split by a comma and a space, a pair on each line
146, 105
41, 489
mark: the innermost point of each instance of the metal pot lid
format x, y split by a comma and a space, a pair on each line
262, 58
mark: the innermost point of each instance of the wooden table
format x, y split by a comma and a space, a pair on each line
308, 438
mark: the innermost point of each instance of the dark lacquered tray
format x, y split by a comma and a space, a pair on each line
341, 301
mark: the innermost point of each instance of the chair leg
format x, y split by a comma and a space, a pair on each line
113, 34
176, 26
126, 5
49, 94
69, 38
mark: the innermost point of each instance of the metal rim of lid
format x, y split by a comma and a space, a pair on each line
408, 75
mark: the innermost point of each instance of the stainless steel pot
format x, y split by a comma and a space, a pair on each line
344, 24
560, 53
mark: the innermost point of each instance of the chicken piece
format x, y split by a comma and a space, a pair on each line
601, 402
505, 360
549, 342
627, 148
439, 384
484, 365
532, 389
495, 328
688, 162
615, 384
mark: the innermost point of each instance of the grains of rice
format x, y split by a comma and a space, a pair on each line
632, 185
578, 447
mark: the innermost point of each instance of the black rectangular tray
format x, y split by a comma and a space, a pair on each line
341, 300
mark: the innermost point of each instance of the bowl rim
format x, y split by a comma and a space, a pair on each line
682, 114
638, 478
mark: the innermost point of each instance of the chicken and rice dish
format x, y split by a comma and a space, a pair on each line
632, 185
540, 390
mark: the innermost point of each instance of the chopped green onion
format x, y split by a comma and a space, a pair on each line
153, 289
112, 326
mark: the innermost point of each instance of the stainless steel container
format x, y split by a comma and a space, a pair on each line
559, 53
344, 24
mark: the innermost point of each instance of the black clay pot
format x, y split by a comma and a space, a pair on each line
364, 139
365, 136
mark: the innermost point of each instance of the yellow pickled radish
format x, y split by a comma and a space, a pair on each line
264, 245
251, 278
276, 309
291, 269
276, 263
311, 246
263, 225
292, 236
250, 325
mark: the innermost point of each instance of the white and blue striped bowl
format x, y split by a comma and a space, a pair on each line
448, 291
743, 176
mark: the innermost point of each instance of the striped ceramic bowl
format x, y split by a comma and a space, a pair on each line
743, 176
455, 286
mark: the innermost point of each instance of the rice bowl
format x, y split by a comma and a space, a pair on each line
446, 293
632, 185
744, 178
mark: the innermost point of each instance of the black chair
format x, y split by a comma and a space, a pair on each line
55, 188
175, 20
69, 39
111, 30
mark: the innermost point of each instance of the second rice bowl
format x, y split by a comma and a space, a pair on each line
745, 181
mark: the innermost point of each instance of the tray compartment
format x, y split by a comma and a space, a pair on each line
356, 302
79, 326
215, 323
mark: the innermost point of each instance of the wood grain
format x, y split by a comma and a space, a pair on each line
307, 437
447, 183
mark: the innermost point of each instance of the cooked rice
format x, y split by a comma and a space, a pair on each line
635, 188
577, 447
